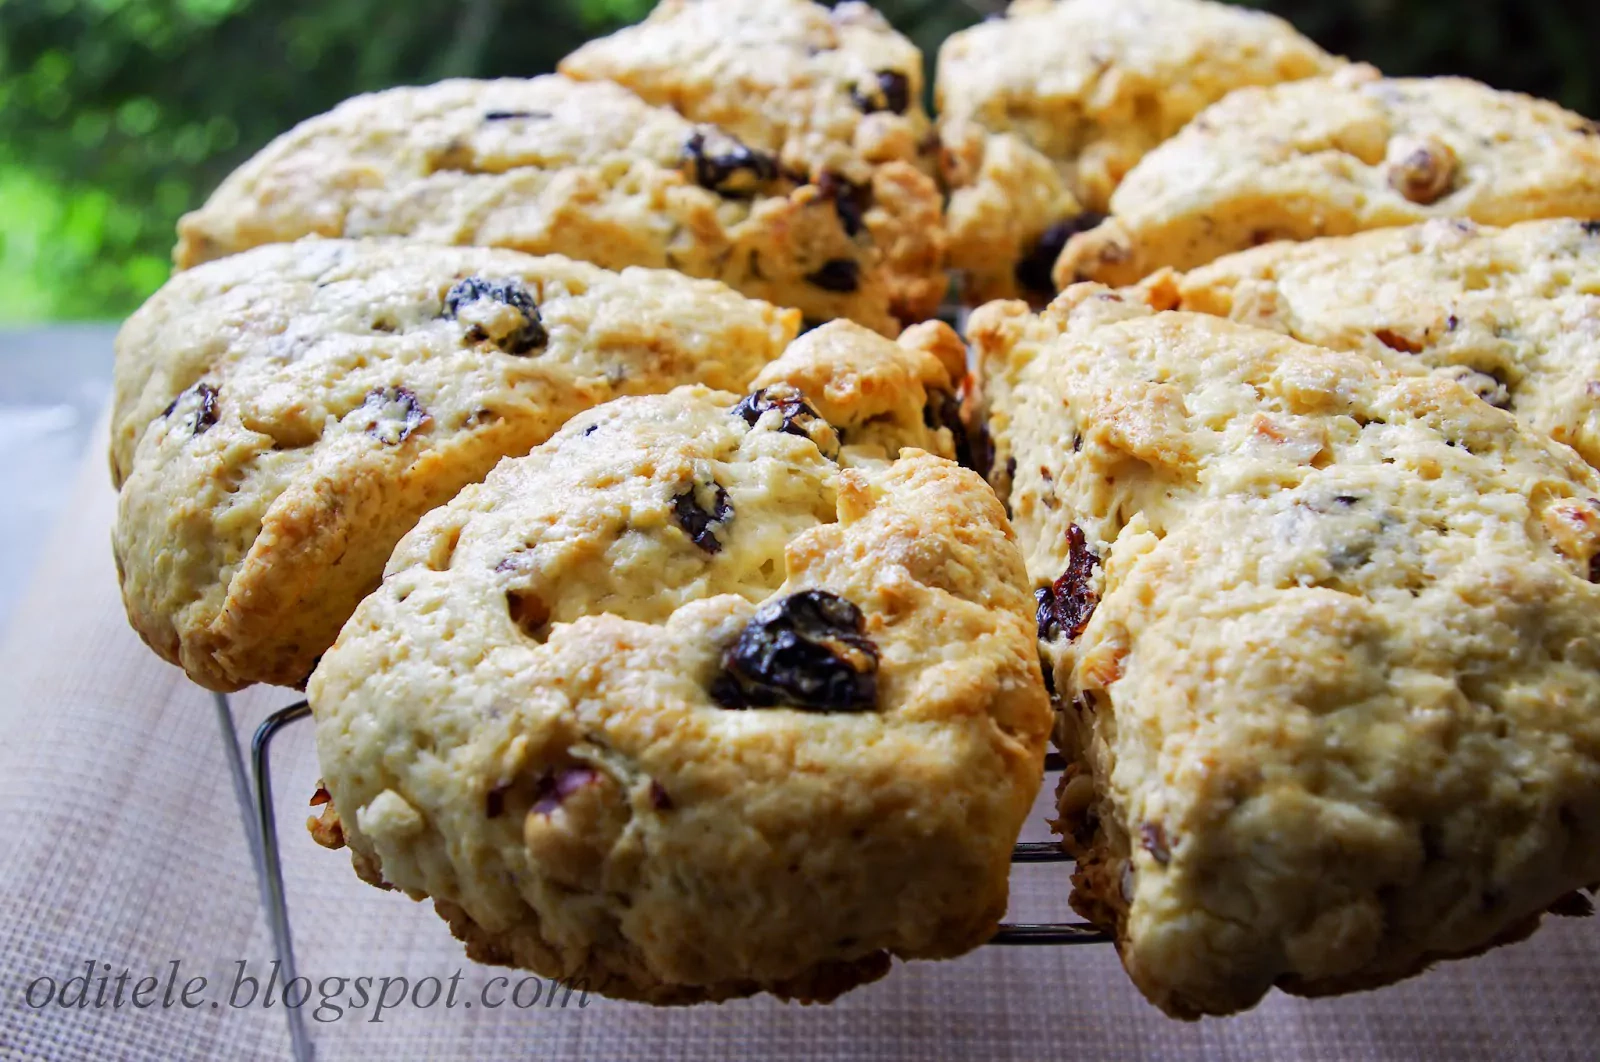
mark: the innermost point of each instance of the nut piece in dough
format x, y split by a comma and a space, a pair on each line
1335, 156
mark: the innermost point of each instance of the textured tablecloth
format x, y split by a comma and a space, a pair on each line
120, 844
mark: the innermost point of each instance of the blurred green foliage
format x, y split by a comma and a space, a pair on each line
118, 115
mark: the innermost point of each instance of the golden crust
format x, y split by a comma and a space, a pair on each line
559, 627
1336, 686
1512, 313
1334, 156
787, 76
283, 416
807, 83
1042, 112
586, 169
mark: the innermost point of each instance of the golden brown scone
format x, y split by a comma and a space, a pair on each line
1326, 642
1334, 156
1513, 313
834, 94
555, 166
1042, 112
826, 90
701, 699
283, 416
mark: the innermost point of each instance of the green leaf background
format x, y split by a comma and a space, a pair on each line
118, 115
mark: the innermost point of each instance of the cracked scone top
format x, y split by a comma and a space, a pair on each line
1325, 641
1513, 313
1042, 112
555, 166
283, 416
1334, 156
707, 695
833, 95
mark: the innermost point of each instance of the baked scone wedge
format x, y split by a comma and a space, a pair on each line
550, 165
708, 695
1042, 113
833, 94
283, 416
1334, 156
1513, 313
1325, 642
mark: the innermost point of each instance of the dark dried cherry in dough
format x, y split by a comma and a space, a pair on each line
943, 411
1033, 270
203, 398
850, 201
798, 416
1066, 604
837, 274
891, 92
393, 414
807, 651
528, 336
698, 522
734, 172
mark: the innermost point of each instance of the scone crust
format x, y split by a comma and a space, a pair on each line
550, 165
1334, 706
786, 76
283, 416
835, 94
1512, 313
1042, 112
1334, 156
558, 628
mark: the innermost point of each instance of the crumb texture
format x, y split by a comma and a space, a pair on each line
702, 698
1042, 113
1334, 156
1513, 313
283, 416
551, 165
1335, 700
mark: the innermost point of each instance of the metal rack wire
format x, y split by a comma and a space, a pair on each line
253, 790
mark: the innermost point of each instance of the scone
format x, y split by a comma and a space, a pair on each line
1042, 112
283, 416
834, 95
709, 695
1513, 313
1325, 641
556, 166
1334, 156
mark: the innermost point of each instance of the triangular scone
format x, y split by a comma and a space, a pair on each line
1334, 156
1042, 112
833, 94
703, 697
550, 165
283, 416
1513, 313
1325, 641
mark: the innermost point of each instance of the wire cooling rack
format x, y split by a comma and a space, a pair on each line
252, 786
